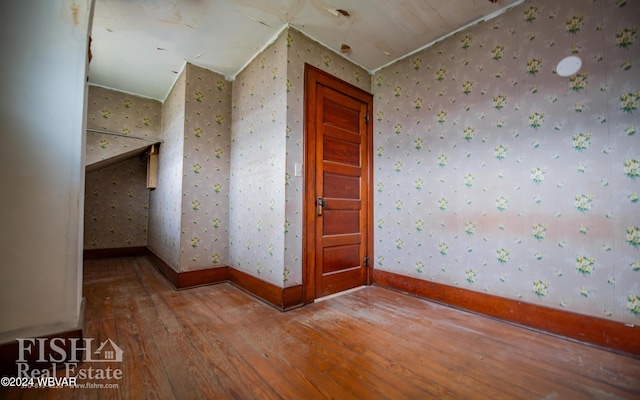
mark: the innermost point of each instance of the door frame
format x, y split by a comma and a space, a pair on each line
312, 77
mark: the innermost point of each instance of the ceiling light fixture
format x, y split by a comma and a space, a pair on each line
569, 66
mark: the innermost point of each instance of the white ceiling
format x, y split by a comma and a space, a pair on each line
139, 46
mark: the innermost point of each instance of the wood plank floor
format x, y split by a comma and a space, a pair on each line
217, 342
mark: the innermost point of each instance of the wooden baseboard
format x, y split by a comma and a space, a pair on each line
188, 279
169, 273
292, 297
596, 331
283, 299
92, 254
209, 276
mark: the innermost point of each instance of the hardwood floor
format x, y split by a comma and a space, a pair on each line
219, 342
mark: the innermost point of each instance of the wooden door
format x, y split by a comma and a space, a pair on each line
338, 211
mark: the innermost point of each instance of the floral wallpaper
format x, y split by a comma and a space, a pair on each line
165, 201
495, 174
113, 111
204, 232
116, 197
258, 155
189, 215
116, 206
267, 142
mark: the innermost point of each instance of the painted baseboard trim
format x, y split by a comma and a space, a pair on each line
600, 332
92, 254
283, 299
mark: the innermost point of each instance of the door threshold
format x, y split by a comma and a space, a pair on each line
331, 296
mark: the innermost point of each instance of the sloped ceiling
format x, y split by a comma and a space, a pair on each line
139, 46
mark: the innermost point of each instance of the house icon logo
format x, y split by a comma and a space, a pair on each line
108, 352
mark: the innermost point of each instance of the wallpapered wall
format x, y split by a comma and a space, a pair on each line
258, 151
496, 175
116, 206
116, 197
267, 141
189, 217
113, 111
204, 232
165, 200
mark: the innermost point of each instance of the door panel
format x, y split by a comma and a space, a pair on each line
340, 222
341, 186
340, 258
338, 214
340, 244
339, 116
341, 151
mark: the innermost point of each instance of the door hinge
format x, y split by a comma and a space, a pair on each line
366, 118
366, 261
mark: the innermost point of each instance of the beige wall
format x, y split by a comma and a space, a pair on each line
42, 164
